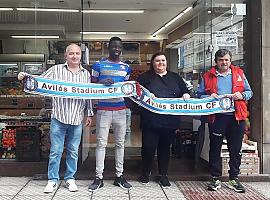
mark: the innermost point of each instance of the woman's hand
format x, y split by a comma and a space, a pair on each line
186, 96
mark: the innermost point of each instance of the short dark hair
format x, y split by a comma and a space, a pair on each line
114, 39
154, 56
221, 53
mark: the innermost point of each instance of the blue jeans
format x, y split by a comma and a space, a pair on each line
58, 133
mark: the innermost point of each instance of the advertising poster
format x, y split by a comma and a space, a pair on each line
226, 38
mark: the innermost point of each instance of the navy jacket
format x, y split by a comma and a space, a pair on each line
170, 85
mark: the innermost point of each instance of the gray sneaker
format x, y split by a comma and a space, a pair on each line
98, 183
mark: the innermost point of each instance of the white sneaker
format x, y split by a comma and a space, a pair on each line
71, 185
50, 187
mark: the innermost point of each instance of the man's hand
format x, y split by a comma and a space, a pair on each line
21, 76
88, 121
107, 81
214, 95
237, 96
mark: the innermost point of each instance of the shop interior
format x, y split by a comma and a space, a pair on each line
33, 37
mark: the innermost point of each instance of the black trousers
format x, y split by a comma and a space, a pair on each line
225, 126
156, 139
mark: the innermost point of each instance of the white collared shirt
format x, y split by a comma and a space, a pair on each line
68, 110
219, 74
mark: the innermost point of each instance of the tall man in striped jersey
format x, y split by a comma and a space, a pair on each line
66, 119
111, 112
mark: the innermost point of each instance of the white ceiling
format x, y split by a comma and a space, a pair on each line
68, 25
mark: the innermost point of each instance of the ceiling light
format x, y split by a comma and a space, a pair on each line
47, 9
8, 64
158, 31
201, 33
113, 11
102, 33
37, 64
35, 36
187, 9
172, 21
6, 9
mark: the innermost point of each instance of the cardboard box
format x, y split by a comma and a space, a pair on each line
249, 166
249, 149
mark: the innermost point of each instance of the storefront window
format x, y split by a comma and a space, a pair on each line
31, 41
218, 25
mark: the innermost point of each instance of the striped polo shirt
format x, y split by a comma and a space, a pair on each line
119, 72
67, 110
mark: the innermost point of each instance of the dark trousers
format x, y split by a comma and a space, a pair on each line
226, 126
159, 139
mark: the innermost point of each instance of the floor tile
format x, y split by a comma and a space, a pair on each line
32, 197
38, 183
154, 192
110, 198
34, 190
197, 190
111, 190
9, 190
83, 191
71, 197
262, 187
6, 197
150, 184
173, 192
14, 180
149, 198
83, 182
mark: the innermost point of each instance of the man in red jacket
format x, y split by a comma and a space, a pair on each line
226, 79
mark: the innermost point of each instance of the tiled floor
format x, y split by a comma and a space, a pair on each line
262, 187
194, 190
24, 188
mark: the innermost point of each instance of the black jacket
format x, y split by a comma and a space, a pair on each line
170, 85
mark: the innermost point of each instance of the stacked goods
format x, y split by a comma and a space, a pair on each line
250, 161
11, 91
249, 149
249, 166
8, 143
8, 138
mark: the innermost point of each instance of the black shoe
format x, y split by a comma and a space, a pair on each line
235, 185
214, 185
121, 182
144, 179
98, 183
164, 181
